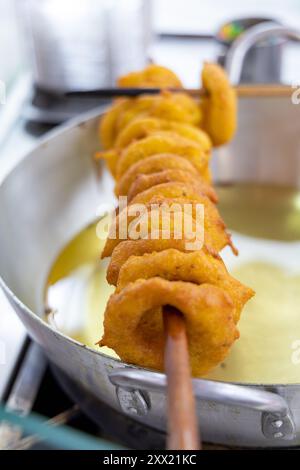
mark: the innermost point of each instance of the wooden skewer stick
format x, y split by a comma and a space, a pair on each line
267, 90
183, 432
243, 91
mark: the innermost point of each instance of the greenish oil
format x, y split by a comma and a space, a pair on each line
270, 327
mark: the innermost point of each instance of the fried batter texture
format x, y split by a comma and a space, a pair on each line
220, 106
152, 76
175, 108
142, 127
198, 267
144, 182
215, 234
214, 117
209, 318
153, 164
158, 149
156, 143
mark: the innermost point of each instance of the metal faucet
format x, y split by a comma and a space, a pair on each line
236, 54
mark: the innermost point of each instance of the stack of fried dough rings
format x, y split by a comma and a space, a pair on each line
158, 148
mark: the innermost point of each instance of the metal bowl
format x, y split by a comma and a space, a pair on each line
54, 192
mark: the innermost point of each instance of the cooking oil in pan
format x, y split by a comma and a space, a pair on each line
265, 221
261, 211
77, 290
266, 228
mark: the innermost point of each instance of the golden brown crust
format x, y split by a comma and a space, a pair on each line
128, 248
152, 76
178, 107
160, 159
215, 235
172, 190
153, 164
198, 267
144, 182
162, 142
108, 123
220, 107
144, 126
168, 107
155, 214
134, 329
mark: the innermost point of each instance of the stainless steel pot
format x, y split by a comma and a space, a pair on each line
54, 192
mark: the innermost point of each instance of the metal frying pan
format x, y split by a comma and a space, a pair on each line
53, 194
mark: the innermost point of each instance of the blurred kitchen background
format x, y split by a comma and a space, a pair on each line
49, 48
112, 35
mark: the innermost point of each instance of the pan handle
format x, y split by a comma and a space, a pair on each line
277, 422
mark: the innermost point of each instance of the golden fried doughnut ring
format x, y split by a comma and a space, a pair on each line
133, 324
110, 123
144, 182
217, 113
153, 164
178, 107
111, 159
174, 189
160, 160
107, 126
152, 76
220, 107
128, 248
143, 106
162, 142
136, 132
215, 235
198, 267
155, 209
143, 126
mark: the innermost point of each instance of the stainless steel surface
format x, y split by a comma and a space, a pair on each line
23, 393
276, 416
219, 392
237, 53
114, 39
266, 146
12, 338
12, 331
26, 385
65, 191
263, 61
